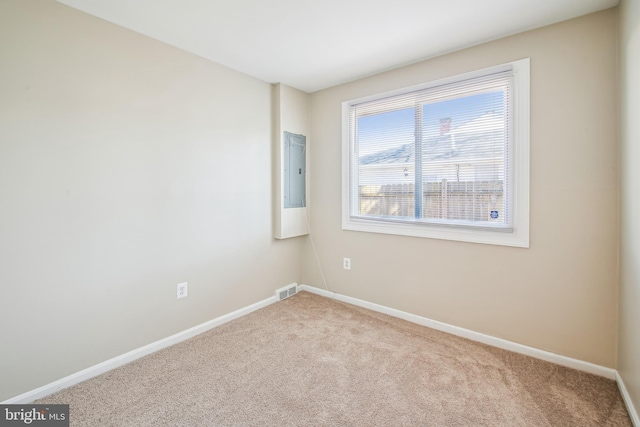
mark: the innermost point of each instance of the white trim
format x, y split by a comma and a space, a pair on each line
472, 335
633, 414
132, 355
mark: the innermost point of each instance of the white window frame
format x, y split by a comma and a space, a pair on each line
518, 235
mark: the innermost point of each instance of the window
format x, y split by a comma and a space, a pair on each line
447, 159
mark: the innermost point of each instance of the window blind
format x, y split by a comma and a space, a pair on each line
438, 155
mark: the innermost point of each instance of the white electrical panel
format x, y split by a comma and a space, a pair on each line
295, 170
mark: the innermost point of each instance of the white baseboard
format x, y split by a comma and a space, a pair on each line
123, 359
472, 335
132, 355
633, 414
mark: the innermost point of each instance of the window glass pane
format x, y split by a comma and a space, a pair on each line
386, 163
463, 155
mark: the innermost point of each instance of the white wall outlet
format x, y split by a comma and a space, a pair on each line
346, 263
183, 289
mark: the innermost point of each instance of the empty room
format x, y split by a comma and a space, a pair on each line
337, 213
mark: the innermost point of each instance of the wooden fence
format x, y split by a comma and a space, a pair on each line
457, 200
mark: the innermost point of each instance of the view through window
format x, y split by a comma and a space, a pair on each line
459, 159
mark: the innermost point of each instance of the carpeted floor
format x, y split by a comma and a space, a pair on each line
312, 361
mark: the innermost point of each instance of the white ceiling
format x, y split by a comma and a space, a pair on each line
315, 44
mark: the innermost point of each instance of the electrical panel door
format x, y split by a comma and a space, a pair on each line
295, 170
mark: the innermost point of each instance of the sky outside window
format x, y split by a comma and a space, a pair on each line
391, 130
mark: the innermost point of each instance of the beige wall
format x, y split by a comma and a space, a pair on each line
629, 336
559, 295
126, 167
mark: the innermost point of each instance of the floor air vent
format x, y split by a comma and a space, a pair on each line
286, 292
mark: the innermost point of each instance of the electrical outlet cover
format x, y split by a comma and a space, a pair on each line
183, 289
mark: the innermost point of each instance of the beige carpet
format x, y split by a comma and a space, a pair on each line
312, 361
